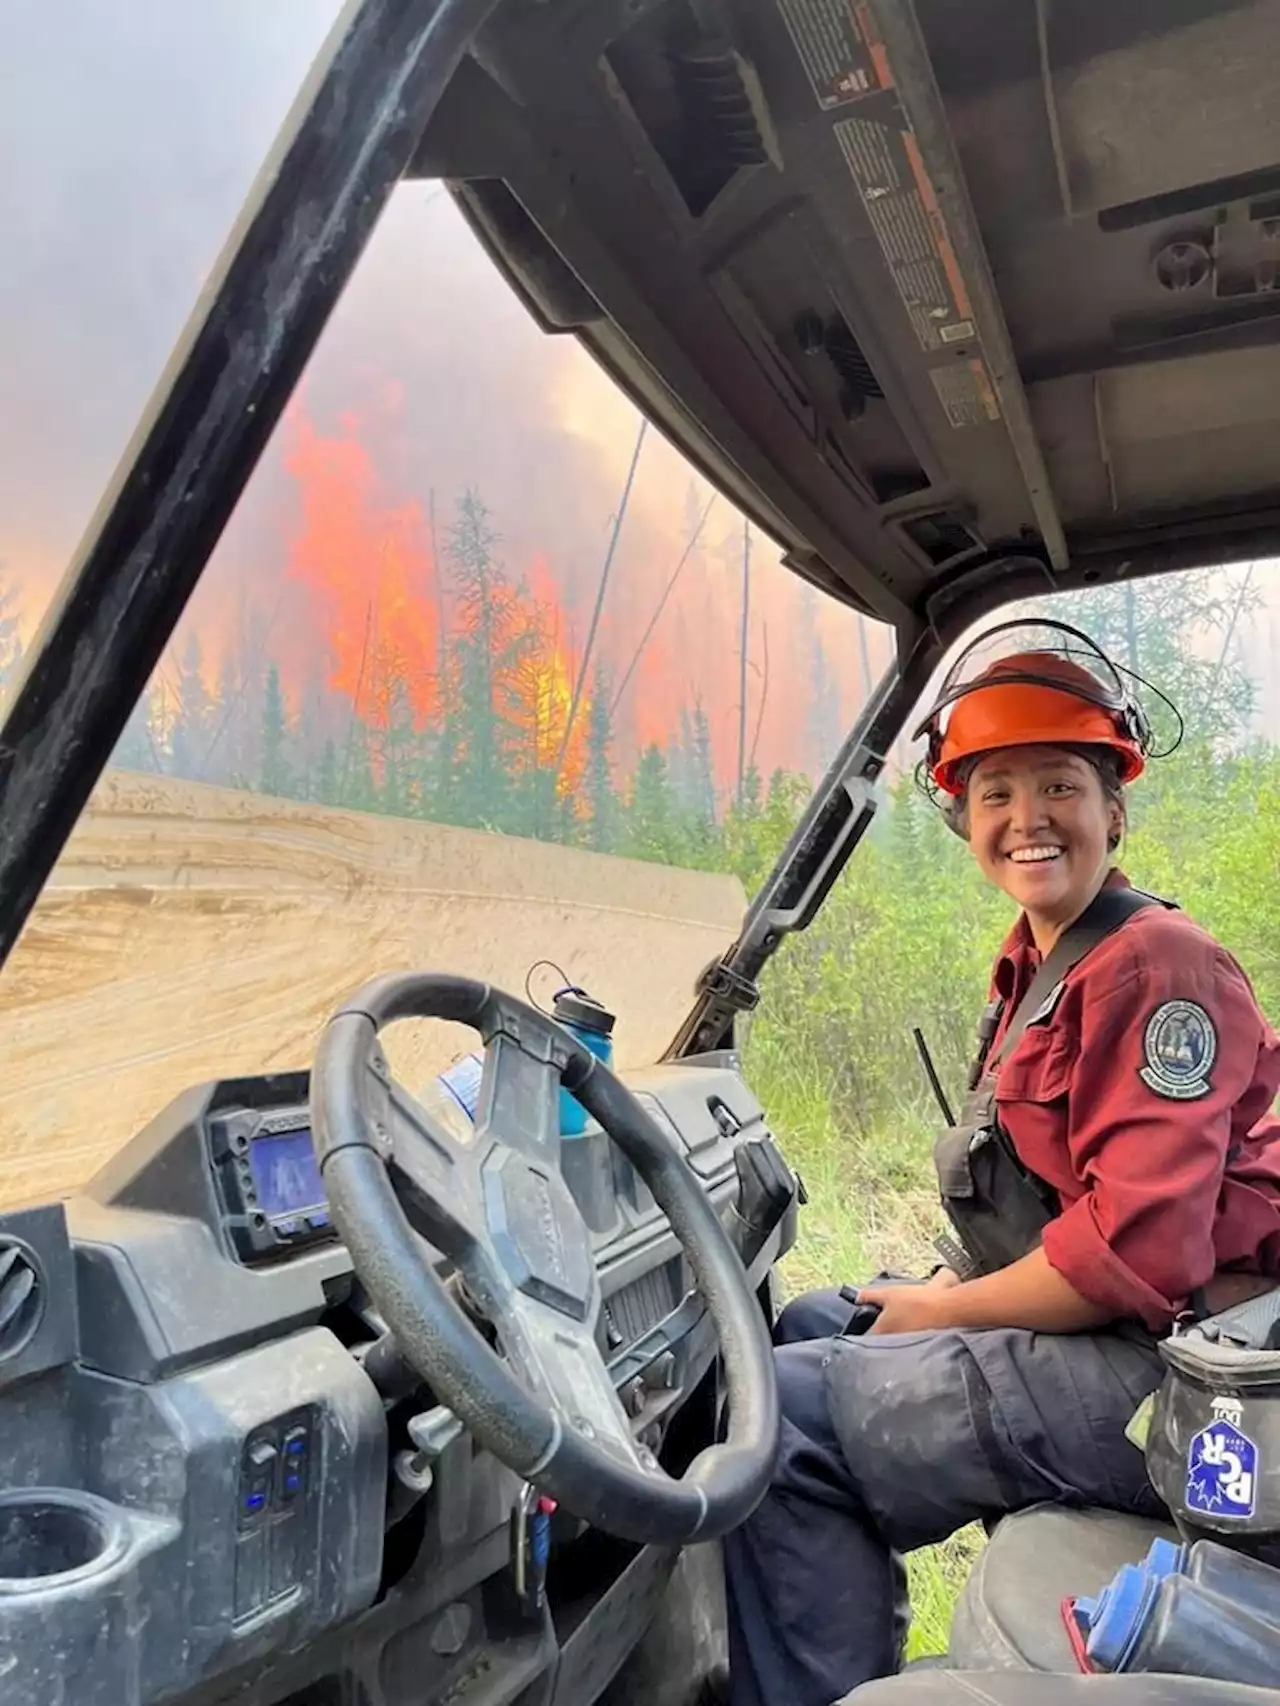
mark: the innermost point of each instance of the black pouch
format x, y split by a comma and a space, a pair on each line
997, 1208
864, 1314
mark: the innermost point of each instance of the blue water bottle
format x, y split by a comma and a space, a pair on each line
1198, 1610
592, 1025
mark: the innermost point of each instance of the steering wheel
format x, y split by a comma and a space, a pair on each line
499, 1209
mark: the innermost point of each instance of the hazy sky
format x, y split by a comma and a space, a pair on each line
129, 135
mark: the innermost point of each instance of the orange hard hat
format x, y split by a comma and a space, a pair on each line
1035, 698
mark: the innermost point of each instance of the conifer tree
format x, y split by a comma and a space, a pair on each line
327, 776
196, 718
650, 827
399, 752
479, 783
275, 776
703, 801
601, 801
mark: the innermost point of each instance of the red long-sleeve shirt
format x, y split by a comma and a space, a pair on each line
1144, 1099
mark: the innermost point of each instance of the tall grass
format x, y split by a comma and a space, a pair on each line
852, 1226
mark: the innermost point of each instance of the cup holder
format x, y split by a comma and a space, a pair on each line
47, 1535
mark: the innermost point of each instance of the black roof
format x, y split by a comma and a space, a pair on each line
919, 285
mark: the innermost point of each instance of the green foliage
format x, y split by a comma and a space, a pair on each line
401, 783
275, 733
602, 801
651, 832
196, 716
327, 777
1181, 633
755, 830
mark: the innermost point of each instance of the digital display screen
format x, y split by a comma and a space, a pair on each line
285, 1174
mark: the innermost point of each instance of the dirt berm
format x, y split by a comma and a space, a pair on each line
191, 933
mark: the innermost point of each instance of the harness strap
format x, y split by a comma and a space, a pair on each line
997, 1206
1106, 912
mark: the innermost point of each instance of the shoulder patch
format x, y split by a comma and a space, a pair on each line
1179, 1046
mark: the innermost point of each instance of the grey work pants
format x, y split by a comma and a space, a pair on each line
895, 1441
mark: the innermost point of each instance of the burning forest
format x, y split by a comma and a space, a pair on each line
382, 650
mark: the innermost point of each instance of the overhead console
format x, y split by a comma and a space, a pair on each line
794, 261
908, 279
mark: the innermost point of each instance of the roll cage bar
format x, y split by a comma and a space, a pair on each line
349, 138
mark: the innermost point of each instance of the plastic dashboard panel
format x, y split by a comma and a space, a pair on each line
195, 1504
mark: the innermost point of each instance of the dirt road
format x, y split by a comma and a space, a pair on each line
191, 933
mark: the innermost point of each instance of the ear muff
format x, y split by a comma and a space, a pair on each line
954, 810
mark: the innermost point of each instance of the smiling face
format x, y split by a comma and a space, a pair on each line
1040, 825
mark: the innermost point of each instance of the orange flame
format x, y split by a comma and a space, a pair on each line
374, 618
371, 574
553, 675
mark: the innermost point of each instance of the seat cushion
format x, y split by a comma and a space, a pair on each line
1009, 1616
969, 1688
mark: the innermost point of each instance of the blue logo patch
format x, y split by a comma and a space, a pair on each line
1179, 1046
1222, 1469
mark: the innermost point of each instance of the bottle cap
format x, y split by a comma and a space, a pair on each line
576, 1007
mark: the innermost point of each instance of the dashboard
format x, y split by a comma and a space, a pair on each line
223, 1482
267, 1177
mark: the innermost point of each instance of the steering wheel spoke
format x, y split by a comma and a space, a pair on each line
561, 1359
436, 1180
520, 1091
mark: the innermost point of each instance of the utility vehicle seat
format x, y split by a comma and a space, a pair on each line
976, 1688
1009, 1616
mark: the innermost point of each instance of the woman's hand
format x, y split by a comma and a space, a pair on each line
1029, 1294
906, 1308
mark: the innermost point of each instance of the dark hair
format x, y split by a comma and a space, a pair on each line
1102, 759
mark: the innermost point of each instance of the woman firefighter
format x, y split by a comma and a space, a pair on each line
1116, 1165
